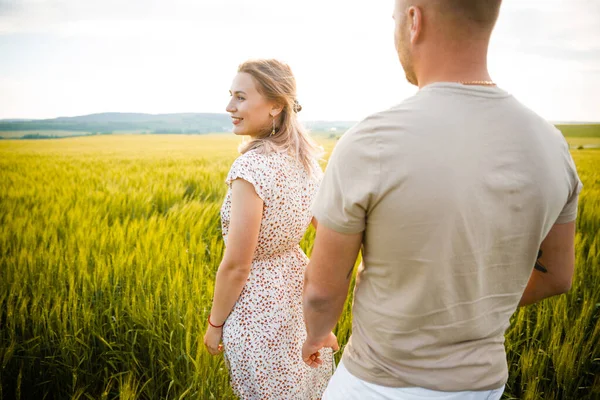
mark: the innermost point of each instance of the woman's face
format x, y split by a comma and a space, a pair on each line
250, 111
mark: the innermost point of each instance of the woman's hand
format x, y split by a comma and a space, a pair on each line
212, 340
310, 351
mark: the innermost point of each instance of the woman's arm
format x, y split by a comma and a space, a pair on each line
242, 239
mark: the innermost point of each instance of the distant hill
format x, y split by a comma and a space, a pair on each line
125, 122
189, 123
587, 130
329, 126
114, 123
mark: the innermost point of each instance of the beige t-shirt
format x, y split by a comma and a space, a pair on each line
455, 189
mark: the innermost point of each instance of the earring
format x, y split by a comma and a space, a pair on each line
273, 131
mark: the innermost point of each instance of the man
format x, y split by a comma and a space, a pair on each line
451, 194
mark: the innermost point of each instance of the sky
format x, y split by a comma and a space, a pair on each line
77, 57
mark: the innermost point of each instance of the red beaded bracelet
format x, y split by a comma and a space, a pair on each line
214, 326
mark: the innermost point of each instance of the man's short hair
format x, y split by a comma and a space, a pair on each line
476, 13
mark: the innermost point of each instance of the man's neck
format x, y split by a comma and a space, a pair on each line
471, 78
459, 66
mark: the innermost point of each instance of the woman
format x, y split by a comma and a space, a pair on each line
257, 305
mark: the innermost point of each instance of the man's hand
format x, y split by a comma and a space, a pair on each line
310, 350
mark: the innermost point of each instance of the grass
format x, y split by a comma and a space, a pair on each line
19, 134
108, 251
589, 142
581, 136
580, 130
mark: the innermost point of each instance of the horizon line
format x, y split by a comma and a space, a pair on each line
21, 119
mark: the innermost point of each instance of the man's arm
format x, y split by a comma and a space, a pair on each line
558, 258
326, 282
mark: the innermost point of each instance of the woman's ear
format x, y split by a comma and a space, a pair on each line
276, 110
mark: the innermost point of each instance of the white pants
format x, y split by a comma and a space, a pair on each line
345, 386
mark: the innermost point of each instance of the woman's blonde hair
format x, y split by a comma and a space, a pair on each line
275, 81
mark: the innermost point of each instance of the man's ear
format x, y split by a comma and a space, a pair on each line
416, 23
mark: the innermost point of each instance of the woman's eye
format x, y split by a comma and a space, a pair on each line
240, 98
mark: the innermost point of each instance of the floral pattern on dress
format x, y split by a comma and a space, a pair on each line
264, 333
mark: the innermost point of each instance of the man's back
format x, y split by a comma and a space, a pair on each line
459, 186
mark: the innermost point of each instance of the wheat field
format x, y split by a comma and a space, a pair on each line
108, 251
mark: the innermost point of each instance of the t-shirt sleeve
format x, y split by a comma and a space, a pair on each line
350, 183
249, 168
569, 212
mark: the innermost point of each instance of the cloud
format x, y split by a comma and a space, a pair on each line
68, 16
340, 50
554, 29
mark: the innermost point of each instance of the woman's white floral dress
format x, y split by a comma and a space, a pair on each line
264, 333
